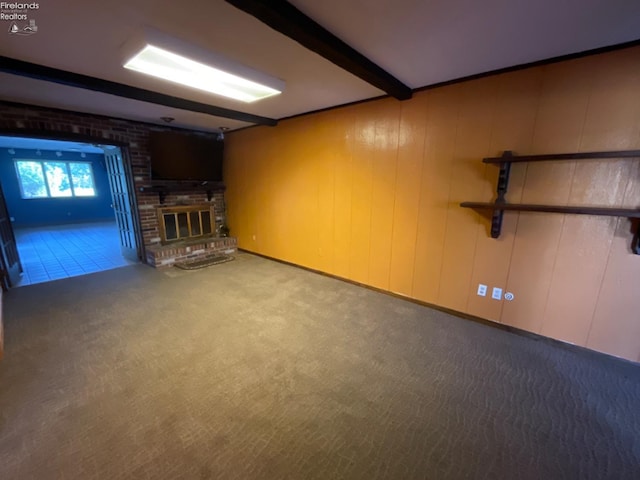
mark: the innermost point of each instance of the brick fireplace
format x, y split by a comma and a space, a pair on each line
134, 137
187, 232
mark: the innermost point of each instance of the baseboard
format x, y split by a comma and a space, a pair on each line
601, 356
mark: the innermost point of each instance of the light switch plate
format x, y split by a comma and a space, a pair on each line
482, 290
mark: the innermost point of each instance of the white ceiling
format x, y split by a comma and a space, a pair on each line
420, 42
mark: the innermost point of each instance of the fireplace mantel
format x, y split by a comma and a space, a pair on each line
163, 188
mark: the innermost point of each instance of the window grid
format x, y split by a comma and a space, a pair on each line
45, 178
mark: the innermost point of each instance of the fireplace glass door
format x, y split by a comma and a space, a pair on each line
180, 223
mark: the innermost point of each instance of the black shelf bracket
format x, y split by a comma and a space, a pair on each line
503, 187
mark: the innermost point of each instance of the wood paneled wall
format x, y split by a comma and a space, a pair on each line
370, 193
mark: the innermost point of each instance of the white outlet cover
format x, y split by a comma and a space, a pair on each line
497, 293
482, 290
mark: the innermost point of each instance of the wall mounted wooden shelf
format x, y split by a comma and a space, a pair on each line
508, 156
164, 188
500, 205
527, 207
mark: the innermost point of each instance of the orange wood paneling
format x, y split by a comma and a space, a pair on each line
435, 182
407, 194
513, 123
615, 328
560, 117
324, 153
385, 160
575, 284
473, 141
343, 183
301, 205
239, 193
370, 193
267, 214
613, 121
361, 191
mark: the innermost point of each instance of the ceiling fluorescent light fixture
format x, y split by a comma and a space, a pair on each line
158, 58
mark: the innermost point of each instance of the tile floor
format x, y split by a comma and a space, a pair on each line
54, 252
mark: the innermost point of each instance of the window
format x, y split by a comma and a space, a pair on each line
54, 179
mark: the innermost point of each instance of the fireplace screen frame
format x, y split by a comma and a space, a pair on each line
183, 222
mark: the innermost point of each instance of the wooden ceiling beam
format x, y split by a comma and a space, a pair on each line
63, 77
288, 20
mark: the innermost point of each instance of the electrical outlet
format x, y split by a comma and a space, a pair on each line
497, 293
482, 290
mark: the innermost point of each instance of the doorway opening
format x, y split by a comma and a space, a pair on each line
66, 209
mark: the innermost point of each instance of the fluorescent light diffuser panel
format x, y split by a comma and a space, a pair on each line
163, 63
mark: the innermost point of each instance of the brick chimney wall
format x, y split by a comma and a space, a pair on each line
134, 136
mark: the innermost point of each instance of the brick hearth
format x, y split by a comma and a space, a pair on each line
162, 256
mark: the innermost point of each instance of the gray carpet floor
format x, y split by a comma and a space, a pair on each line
257, 370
